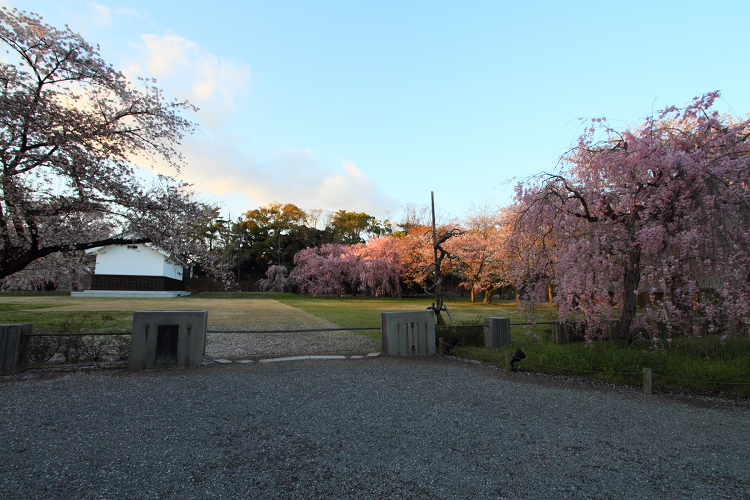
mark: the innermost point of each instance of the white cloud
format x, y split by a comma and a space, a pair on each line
193, 73
241, 183
100, 22
130, 13
101, 15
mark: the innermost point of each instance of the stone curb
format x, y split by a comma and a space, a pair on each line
292, 358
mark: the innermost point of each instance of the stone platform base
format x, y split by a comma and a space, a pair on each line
130, 294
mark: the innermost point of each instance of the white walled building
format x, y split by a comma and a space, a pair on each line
136, 271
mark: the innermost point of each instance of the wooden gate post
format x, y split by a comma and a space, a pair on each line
647, 381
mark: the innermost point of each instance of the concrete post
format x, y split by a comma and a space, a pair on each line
647, 386
168, 338
496, 332
408, 333
15, 345
508, 360
559, 332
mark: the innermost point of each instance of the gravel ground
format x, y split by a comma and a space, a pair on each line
361, 429
256, 346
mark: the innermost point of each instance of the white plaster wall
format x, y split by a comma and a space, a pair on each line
121, 260
173, 271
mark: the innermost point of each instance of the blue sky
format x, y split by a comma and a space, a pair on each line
369, 105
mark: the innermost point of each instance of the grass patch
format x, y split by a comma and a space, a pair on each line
53, 313
683, 368
65, 321
240, 295
365, 311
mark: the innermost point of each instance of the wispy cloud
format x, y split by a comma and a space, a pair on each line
288, 176
97, 18
191, 72
101, 15
131, 13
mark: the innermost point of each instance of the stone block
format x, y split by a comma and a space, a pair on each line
408, 333
496, 332
15, 344
288, 358
168, 338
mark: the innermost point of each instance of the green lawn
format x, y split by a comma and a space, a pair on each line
53, 310
365, 311
46, 314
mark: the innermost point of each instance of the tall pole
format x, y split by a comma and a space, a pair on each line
438, 306
434, 240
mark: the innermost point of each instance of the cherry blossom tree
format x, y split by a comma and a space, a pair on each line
277, 280
482, 259
417, 254
335, 269
52, 272
662, 209
324, 270
379, 266
426, 259
71, 127
480, 253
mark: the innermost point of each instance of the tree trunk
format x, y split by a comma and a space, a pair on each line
488, 295
631, 281
437, 308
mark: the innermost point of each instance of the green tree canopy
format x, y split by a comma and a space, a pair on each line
353, 227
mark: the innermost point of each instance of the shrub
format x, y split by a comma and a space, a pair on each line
94, 348
71, 348
43, 349
121, 347
461, 337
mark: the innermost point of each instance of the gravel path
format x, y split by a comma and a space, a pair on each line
256, 346
277, 316
360, 429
